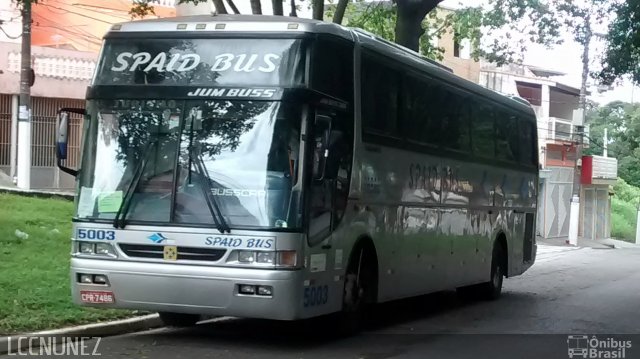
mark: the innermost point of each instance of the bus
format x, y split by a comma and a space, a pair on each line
285, 168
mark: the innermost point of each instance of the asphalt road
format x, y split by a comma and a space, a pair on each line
567, 292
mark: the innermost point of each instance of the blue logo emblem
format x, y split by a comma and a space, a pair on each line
157, 237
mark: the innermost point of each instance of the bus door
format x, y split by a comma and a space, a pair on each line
331, 153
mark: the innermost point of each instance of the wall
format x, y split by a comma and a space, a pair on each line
466, 68
59, 73
562, 104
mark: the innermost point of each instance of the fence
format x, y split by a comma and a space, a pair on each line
5, 131
44, 172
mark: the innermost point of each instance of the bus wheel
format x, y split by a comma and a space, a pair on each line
492, 289
358, 292
178, 319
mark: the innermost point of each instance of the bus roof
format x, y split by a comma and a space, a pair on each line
285, 24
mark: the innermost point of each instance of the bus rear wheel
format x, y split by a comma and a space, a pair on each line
178, 319
492, 289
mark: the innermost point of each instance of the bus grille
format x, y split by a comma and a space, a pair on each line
184, 253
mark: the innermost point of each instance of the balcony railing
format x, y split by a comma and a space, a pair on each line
57, 67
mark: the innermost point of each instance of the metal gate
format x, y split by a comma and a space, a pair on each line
5, 133
557, 202
595, 220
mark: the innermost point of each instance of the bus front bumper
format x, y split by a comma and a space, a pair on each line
160, 287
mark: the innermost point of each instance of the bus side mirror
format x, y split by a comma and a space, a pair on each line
322, 135
62, 137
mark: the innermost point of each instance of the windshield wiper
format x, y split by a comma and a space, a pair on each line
119, 220
214, 209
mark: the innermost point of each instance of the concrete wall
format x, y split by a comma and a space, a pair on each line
58, 71
463, 67
562, 104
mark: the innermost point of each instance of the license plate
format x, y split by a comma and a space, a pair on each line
94, 296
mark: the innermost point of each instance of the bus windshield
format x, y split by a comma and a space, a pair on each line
179, 157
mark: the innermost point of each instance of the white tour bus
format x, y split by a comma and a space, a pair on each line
285, 168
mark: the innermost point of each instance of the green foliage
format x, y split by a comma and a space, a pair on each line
140, 9
623, 219
380, 18
622, 121
624, 206
626, 192
622, 55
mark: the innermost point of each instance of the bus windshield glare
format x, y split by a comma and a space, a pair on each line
180, 157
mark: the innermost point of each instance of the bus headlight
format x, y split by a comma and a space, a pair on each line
265, 257
246, 256
86, 247
104, 248
277, 258
95, 249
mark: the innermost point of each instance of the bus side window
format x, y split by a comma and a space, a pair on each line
482, 130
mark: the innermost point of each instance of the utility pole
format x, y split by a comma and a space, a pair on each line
574, 214
24, 110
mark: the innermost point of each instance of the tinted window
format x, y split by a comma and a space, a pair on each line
210, 62
455, 122
528, 151
333, 68
420, 119
506, 136
379, 97
482, 129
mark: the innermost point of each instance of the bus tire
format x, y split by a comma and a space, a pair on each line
492, 289
178, 319
359, 290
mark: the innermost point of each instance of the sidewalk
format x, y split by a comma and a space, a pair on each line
608, 243
37, 192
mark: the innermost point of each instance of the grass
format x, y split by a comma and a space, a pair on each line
34, 272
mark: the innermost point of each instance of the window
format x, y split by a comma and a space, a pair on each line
482, 129
455, 122
379, 97
528, 150
506, 136
420, 120
333, 68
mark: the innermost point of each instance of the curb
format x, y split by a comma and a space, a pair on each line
105, 329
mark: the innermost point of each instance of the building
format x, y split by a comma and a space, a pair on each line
66, 37
560, 131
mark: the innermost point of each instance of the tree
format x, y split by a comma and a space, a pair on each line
410, 14
622, 55
277, 7
256, 7
622, 121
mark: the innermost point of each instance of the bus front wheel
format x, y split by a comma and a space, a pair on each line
178, 319
359, 290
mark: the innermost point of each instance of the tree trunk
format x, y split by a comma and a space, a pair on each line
409, 21
293, 12
233, 7
277, 7
340, 9
318, 9
256, 8
220, 8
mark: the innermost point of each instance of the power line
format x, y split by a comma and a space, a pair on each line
9, 36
